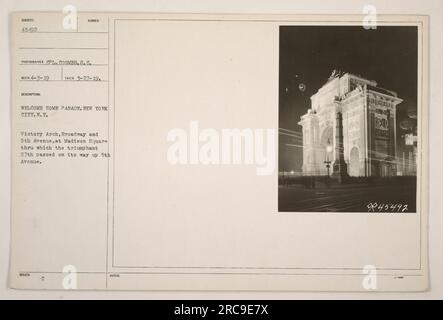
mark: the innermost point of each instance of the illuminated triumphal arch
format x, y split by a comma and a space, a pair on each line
352, 125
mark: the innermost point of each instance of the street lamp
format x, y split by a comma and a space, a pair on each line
327, 161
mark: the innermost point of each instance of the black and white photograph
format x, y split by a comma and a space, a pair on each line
348, 133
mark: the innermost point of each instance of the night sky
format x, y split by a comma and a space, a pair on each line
309, 54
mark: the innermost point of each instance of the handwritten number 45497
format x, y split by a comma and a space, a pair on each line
387, 207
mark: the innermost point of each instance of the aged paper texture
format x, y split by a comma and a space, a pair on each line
219, 152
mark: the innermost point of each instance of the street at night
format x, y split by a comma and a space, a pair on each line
398, 196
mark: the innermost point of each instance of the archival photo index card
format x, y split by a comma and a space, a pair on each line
219, 152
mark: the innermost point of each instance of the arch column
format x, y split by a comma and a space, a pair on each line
340, 170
